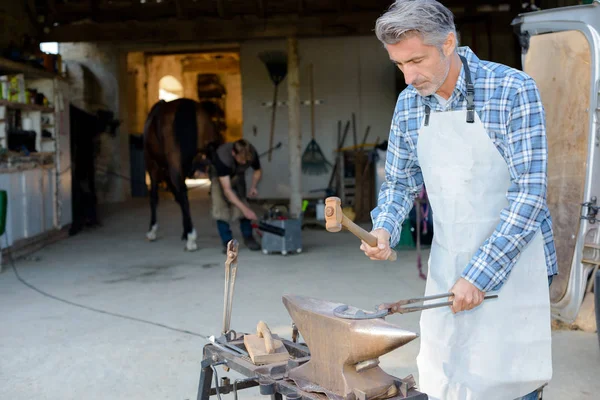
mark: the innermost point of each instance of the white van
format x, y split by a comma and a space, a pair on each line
561, 51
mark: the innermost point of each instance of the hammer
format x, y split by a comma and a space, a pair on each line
335, 219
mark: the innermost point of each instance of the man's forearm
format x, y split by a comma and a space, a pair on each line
235, 200
256, 178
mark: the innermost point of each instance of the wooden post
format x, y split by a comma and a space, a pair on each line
295, 134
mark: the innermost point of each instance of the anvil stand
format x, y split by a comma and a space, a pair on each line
272, 378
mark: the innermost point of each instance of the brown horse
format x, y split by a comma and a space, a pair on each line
176, 134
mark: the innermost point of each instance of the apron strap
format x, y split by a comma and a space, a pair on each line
470, 95
427, 113
470, 92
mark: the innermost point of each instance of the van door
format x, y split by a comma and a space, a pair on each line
560, 50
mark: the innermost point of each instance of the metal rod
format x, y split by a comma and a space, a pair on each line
427, 307
235, 385
236, 351
226, 298
231, 290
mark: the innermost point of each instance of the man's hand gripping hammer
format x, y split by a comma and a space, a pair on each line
335, 219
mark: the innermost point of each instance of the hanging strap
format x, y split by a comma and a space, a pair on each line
470, 92
427, 113
470, 95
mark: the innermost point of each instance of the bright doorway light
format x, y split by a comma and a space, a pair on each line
169, 88
49, 47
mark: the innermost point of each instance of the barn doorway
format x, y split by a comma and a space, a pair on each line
211, 77
169, 88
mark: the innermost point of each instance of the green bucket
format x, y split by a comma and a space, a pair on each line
3, 208
406, 240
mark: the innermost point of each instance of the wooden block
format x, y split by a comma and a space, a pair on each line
257, 350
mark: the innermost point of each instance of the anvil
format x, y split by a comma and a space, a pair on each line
344, 353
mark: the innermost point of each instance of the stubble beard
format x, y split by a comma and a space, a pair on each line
435, 85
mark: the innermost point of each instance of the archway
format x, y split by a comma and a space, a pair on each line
169, 88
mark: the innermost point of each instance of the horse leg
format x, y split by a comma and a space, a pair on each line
180, 192
151, 234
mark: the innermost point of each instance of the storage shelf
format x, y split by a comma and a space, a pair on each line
26, 107
14, 67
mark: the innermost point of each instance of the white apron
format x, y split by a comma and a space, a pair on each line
501, 350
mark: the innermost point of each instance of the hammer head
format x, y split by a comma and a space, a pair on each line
333, 214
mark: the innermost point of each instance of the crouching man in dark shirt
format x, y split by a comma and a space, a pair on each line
228, 189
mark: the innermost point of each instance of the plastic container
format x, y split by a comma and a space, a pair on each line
320, 210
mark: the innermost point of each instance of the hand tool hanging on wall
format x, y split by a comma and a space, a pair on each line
335, 219
313, 159
278, 145
276, 63
399, 307
340, 144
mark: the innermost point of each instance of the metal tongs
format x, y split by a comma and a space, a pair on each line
230, 274
399, 307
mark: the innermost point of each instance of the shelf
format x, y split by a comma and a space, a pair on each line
14, 67
26, 107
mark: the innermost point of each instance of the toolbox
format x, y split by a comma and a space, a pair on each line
280, 234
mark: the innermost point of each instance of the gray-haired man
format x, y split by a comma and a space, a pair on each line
474, 133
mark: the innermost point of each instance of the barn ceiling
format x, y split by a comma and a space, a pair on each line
214, 20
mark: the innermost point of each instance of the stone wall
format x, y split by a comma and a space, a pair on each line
97, 74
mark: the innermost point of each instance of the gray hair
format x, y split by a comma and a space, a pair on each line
405, 18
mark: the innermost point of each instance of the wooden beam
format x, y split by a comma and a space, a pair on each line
221, 9
210, 66
67, 13
179, 8
32, 12
215, 29
93, 7
301, 7
294, 128
260, 8
52, 6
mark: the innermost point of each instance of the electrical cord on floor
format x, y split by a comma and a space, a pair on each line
32, 287
101, 170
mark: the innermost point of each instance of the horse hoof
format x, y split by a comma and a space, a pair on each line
191, 246
151, 234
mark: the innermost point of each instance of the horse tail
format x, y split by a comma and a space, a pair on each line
185, 128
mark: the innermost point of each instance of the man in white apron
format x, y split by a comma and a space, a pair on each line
473, 133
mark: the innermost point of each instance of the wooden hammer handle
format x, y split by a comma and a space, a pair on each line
263, 331
370, 239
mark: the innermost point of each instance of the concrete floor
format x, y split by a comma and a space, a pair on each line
53, 350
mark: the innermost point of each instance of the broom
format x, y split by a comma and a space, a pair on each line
313, 159
276, 63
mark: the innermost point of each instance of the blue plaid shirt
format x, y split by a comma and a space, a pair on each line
509, 106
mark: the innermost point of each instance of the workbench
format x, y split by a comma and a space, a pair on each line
272, 378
